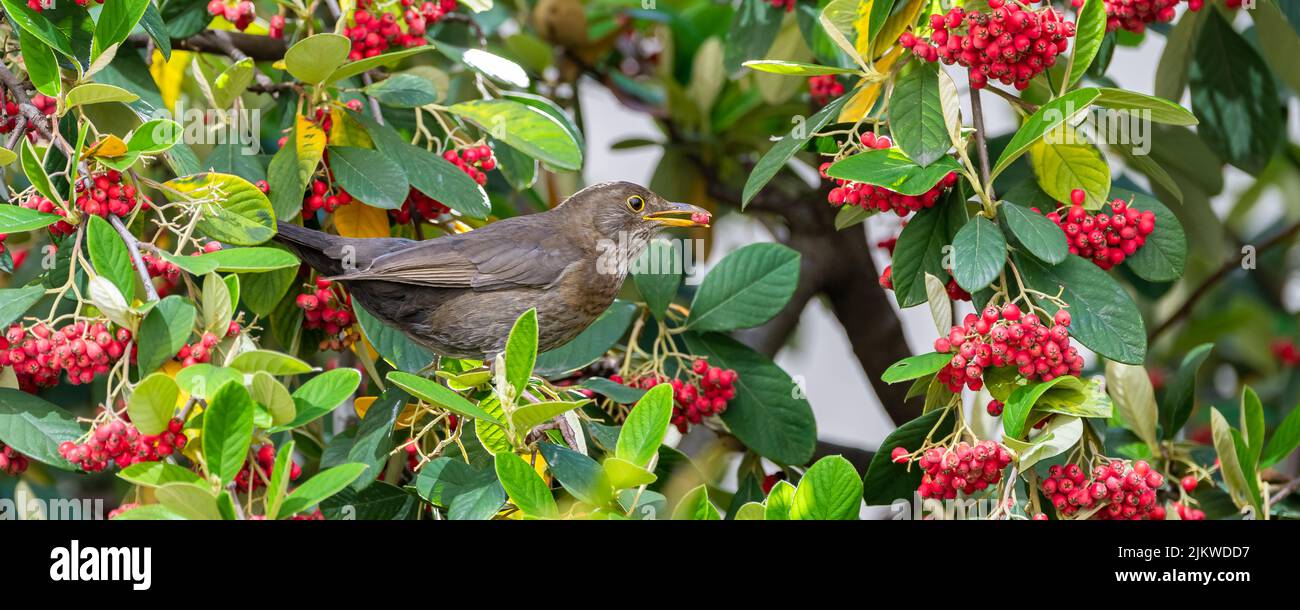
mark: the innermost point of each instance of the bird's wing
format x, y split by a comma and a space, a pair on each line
483, 259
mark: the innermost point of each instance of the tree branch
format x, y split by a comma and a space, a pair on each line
260, 48
133, 248
25, 105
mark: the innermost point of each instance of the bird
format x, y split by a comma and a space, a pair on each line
459, 295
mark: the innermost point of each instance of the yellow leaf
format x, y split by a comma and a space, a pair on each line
862, 101
863, 27
362, 404
170, 74
310, 141
894, 27
109, 146
357, 219
345, 131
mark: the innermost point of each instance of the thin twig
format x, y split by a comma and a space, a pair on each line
1285, 491
977, 115
132, 247
1209, 282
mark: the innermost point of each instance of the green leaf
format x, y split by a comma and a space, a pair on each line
227, 431
615, 391
887, 481
278, 487
218, 306
488, 64
189, 501
1090, 30
623, 474
746, 288
266, 391
794, 68
468, 492
645, 427
893, 170
274, 363
521, 351
152, 403
287, 186
695, 506
42, 66
153, 137
326, 483
263, 291
14, 302
658, 274
916, 118
1162, 110
1015, 417
531, 415
15, 219
39, 26
1164, 255
849, 216
1057, 437
109, 256
591, 344
920, 245
437, 395
313, 59
1049, 118
1234, 97
1230, 465
1252, 427
1130, 387
753, 29
152, 23
97, 93
830, 490
320, 395
780, 501
375, 435
354, 68
1061, 168
116, 20
34, 169
580, 475
203, 379
247, 260
427, 172
525, 487
1103, 316
163, 331
915, 367
403, 91
1180, 398
369, 176
979, 254
776, 157
233, 82
769, 415
527, 129
236, 212
1040, 236
35, 428
394, 346
157, 474
1285, 440
1171, 71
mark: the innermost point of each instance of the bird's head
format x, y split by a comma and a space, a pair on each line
630, 211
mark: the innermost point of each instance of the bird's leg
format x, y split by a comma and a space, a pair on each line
431, 367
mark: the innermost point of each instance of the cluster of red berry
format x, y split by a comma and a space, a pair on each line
38, 354
955, 292
320, 198
963, 467
12, 463
706, 394
241, 12
824, 88
41, 204
275, 29
1125, 490
9, 119
324, 309
201, 351
1107, 239
40, 5
1007, 337
253, 477
870, 197
475, 161
164, 274
104, 193
1186, 513
1134, 15
118, 442
372, 34
1009, 44
1285, 351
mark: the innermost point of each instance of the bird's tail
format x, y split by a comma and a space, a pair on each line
313, 247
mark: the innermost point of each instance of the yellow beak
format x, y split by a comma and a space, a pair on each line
673, 217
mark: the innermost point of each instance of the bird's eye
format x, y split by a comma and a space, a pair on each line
636, 203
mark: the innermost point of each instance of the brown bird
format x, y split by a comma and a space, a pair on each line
460, 295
